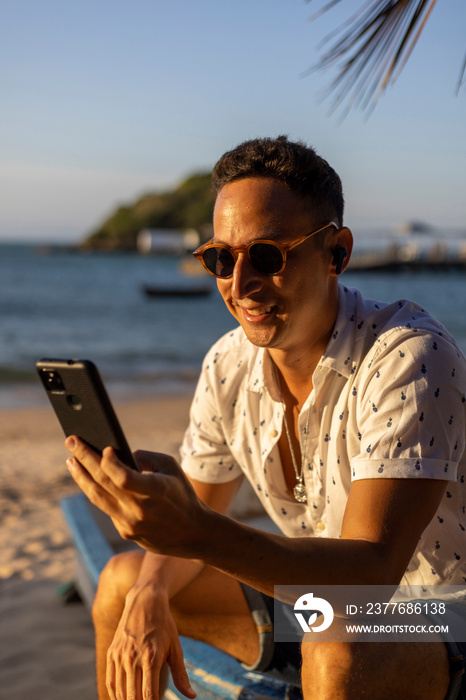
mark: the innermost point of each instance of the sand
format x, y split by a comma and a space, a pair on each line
46, 647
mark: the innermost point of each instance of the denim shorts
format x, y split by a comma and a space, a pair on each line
282, 660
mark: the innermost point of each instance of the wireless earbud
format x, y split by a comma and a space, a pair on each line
339, 255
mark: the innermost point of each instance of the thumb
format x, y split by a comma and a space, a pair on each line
156, 462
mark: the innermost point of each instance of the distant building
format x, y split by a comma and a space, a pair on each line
167, 241
408, 228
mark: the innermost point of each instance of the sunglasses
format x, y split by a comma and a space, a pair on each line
266, 257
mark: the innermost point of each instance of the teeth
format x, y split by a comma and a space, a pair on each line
259, 312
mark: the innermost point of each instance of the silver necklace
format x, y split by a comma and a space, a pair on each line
299, 491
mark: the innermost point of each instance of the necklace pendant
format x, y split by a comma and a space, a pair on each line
299, 492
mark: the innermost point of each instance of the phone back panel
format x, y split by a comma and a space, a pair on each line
82, 405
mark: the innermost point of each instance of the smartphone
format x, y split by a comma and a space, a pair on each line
81, 403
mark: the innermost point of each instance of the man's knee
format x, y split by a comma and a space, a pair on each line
116, 579
329, 659
335, 670
354, 669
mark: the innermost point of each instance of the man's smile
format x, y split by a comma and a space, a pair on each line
254, 314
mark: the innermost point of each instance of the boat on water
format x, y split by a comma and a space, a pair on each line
197, 290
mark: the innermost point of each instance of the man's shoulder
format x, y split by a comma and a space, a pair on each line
230, 348
402, 317
383, 327
229, 363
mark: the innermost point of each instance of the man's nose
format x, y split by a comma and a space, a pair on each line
245, 279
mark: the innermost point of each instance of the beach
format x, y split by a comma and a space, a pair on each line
141, 346
46, 646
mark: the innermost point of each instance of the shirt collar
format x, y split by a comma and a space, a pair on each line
339, 353
260, 371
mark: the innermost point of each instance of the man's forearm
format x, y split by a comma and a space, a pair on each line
381, 528
264, 560
165, 574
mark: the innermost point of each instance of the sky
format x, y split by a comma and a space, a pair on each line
106, 100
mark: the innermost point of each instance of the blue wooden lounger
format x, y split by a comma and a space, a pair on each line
214, 675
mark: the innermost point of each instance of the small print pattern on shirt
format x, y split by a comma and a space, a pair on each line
389, 401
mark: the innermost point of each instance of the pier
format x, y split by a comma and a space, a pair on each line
416, 253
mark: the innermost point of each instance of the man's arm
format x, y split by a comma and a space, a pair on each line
172, 574
146, 629
383, 521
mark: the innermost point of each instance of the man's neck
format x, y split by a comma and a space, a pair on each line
294, 377
295, 368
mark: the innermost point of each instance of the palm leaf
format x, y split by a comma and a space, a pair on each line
373, 47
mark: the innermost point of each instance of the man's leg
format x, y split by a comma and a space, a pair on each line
212, 609
376, 671
116, 579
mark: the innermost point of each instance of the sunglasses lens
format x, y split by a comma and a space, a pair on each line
219, 261
266, 258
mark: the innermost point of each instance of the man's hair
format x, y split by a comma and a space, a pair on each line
292, 162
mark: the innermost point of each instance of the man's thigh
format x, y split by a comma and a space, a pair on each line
213, 609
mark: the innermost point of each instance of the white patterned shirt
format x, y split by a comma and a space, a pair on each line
388, 402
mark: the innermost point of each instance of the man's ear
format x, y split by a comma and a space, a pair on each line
342, 245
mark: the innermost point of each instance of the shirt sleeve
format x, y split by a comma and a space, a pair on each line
205, 455
412, 410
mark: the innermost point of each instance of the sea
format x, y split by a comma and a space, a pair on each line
57, 302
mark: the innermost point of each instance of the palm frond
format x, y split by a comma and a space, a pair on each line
462, 78
373, 47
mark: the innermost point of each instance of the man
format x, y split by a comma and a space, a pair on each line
348, 418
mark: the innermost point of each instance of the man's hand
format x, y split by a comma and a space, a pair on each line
157, 507
146, 637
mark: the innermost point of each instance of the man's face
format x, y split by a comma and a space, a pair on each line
296, 309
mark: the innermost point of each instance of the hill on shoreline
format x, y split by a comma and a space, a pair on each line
189, 205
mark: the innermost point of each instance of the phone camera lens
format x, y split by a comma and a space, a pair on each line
52, 380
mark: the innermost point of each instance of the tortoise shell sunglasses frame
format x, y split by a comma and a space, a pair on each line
266, 257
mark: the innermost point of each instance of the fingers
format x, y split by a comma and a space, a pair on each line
107, 471
127, 685
148, 680
139, 503
153, 679
86, 469
85, 455
179, 673
137, 665
82, 452
95, 493
111, 677
132, 680
110, 473
124, 675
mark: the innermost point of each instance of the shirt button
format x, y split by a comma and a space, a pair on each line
320, 526
273, 433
